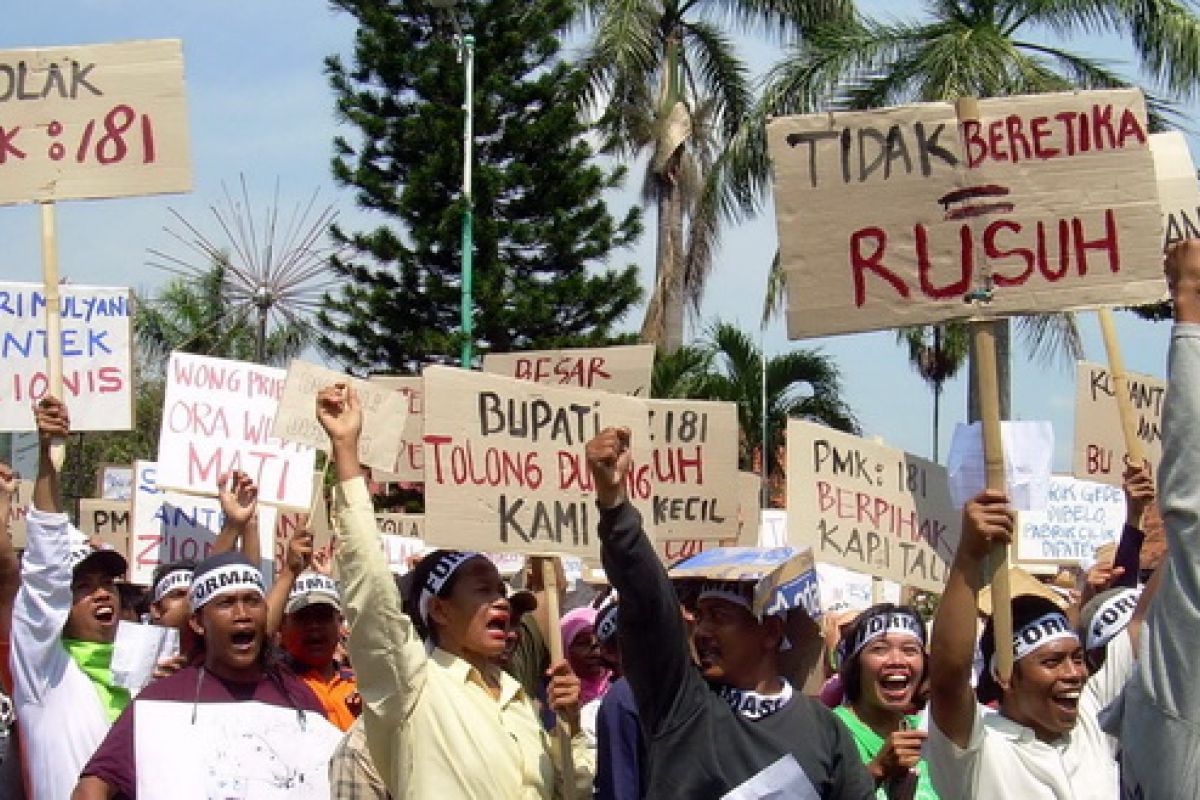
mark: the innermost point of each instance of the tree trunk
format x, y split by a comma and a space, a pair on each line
663, 325
1004, 379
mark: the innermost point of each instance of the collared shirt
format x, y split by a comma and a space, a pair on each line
352, 773
1004, 759
334, 694
433, 728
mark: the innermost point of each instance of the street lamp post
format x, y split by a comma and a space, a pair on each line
465, 43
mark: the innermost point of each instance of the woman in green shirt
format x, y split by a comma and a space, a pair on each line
882, 664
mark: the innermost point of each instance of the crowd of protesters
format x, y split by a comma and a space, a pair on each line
342, 680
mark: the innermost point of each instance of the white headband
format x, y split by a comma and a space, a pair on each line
878, 625
1112, 617
1042, 631
317, 583
224, 580
733, 592
173, 580
442, 571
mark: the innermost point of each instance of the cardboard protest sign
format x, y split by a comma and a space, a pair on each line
892, 217
1100, 452
246, 749
409, 466
784, 577
17, 511
505, 466
1079, 517
217, 417
383, 413
869, 507
694, 455
114, 482
288, 522
110, 520
90, 121
672, 550
169, 526
1178, 189
624, 369
96, 354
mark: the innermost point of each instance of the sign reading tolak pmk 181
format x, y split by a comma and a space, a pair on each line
895, 216
107, 120
868, 507
505, 467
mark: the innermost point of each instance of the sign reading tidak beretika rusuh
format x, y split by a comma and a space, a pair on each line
505, 469
93, 121
895, 216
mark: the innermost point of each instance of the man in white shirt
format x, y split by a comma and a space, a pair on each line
1045, 740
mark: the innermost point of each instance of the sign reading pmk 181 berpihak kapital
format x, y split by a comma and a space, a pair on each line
896, 216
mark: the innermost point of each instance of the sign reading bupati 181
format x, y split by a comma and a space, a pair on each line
91, 121
893, 217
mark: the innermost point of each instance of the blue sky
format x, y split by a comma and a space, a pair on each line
259, 105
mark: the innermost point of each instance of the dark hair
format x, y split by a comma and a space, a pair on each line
850, 668
1025, 609
411, 593
162, 570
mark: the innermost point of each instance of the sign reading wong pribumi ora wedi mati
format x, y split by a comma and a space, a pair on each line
892, 217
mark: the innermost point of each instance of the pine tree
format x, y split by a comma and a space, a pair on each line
543, 233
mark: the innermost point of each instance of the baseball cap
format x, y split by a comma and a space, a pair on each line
313, 588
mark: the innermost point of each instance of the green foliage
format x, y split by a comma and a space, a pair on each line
543, 234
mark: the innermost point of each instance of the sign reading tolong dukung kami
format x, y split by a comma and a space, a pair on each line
894, 217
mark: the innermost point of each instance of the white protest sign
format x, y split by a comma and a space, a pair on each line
115, 482
383, 412
1079, 517
18, 509
91, 121
843, 589
694, 455
1028, 454
401, 536
246, 749
168, 526
773, 528
868, 507
623, 369
409, 465
109, 520
1178, 189
137, 651
97, 367
505, 466
217, 417
892, 217
1100, 452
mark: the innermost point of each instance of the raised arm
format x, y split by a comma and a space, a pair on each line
654, 640
1139, 494
987, 520
53, 422
239, 504
389, 658
297, 558
10, 566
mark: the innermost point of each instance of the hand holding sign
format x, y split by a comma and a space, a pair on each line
987, 522
53, 421
8, 482
340, 414
1139, 493
609, 460
299, 552
563, 693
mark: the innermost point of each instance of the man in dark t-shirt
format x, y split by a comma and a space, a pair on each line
233, 710
732, 726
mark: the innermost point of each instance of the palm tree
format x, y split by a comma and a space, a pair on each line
196, 315
665, 81
937, 353
728, 366
980, 48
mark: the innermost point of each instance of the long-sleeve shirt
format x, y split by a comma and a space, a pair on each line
1156, 717
698, 746
432, 727
61, 718
620, 747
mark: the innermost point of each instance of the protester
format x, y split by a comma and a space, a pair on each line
352, 773
620, 746
882, 663
311, 608
531, 658
1046, 741
733, 726
446, 723
1156, 716
63, 623
11, 783
231, 700
582, 649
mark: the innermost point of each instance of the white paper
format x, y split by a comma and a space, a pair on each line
844, 589
1028, 456
136, 651
772, 529
248, 751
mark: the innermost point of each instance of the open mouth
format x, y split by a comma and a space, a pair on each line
497, 625
1067, 702
895, 686
242, 640
105, 614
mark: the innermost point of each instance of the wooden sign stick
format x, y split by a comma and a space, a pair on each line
549, 570
1116, 367
54, 368
983, 348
